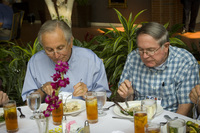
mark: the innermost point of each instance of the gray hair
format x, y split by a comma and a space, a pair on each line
51, 25
156, 30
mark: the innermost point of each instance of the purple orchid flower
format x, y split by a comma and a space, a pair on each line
53, 100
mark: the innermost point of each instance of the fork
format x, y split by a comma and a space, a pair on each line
196, 108
21, 114
67, 97
126, 102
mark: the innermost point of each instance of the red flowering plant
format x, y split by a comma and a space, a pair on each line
53, 100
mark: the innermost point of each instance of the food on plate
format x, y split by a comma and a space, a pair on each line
71, 106
128, 110
192, 127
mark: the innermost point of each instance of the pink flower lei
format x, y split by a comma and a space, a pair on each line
59, 81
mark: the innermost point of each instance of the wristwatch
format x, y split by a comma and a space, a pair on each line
41, 88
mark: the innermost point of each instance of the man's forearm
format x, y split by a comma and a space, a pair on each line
184, 109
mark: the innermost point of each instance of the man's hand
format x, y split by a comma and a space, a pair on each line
194, 94
47, 88
125, 89
80, 89
3, 97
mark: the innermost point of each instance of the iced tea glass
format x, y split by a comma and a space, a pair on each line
10, 114
140, 118
57, 113
91, 107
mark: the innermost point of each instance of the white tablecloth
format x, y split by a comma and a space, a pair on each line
106, 124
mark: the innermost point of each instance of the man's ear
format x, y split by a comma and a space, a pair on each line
166, 45
71, 42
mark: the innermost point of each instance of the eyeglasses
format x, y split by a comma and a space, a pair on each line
53, 52
58, 50
148, 52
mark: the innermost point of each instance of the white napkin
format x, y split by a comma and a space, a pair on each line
117, 132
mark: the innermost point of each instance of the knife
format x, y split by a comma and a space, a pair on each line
122, 109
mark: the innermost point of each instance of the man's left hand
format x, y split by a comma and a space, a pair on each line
195, 94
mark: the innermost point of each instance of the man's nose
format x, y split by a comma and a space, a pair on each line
145, 55
56, 54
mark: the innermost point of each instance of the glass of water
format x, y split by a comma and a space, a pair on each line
33, 101
176, 125
101, 100
151, 104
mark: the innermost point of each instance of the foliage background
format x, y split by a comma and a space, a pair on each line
112, 47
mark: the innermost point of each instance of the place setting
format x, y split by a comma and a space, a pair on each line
154, 108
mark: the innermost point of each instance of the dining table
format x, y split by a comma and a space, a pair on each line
105, 124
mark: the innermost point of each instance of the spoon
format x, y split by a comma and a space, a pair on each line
167, 117
21, 114
105, 109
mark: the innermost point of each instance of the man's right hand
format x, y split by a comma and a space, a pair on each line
47, 88
125, 89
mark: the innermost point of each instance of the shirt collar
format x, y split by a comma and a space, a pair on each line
72, 56
166, 63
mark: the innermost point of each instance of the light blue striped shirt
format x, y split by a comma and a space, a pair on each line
83, 64
172, 82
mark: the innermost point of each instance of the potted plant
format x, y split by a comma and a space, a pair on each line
13, 63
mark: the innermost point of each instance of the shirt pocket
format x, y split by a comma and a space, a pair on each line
169, 96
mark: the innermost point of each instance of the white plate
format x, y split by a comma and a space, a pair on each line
117, 111
83, 107
77, 111
1, 113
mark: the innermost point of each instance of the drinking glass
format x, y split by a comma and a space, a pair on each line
57, 113
33, 101
176, 125
151, 104
10, 114
101, 100
140, 118
42, 122
152, 128
91, 107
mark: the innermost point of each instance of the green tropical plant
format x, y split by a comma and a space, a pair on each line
13, 65
114, 46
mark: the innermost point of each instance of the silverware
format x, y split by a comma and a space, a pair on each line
67, 97
105, 109
122, 109
126, 103
21, 114
131, 119
167, 117
197, 107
